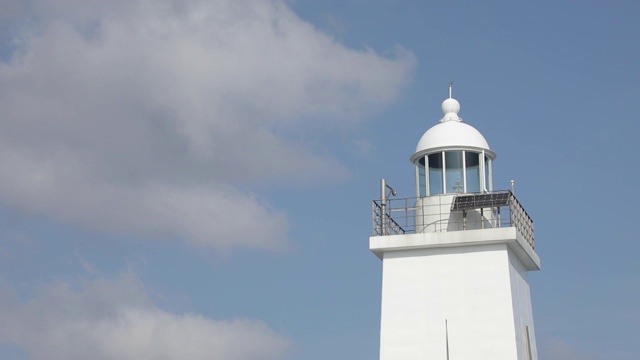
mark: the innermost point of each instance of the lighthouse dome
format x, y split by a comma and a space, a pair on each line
451, 133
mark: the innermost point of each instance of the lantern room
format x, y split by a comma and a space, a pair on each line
452, 157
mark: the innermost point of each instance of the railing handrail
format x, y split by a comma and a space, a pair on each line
413, 215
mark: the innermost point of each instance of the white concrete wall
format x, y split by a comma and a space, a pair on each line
470, 286
433, 214
523, 314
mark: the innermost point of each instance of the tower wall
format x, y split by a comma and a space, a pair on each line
523, 314
468, 286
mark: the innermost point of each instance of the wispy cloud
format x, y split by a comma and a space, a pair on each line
115, 319
157, 117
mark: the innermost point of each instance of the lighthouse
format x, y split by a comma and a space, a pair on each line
456, 257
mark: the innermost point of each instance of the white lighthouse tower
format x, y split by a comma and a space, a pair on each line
455, 258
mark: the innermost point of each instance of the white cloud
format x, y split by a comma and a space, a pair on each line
155, 117
115, 319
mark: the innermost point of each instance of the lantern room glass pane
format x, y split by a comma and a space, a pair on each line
454, 169
435, 174
487, 173
472, 163
422, 186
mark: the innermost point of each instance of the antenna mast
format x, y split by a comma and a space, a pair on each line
446, 329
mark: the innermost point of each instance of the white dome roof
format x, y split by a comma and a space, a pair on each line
451, 133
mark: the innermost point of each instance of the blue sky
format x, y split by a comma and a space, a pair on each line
207, 167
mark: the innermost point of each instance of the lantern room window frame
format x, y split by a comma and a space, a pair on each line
432, 180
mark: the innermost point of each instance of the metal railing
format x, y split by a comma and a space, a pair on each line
396, 216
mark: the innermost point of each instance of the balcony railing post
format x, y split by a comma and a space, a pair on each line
383, 206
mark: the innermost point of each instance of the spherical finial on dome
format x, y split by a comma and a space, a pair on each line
450, 105
450, 108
